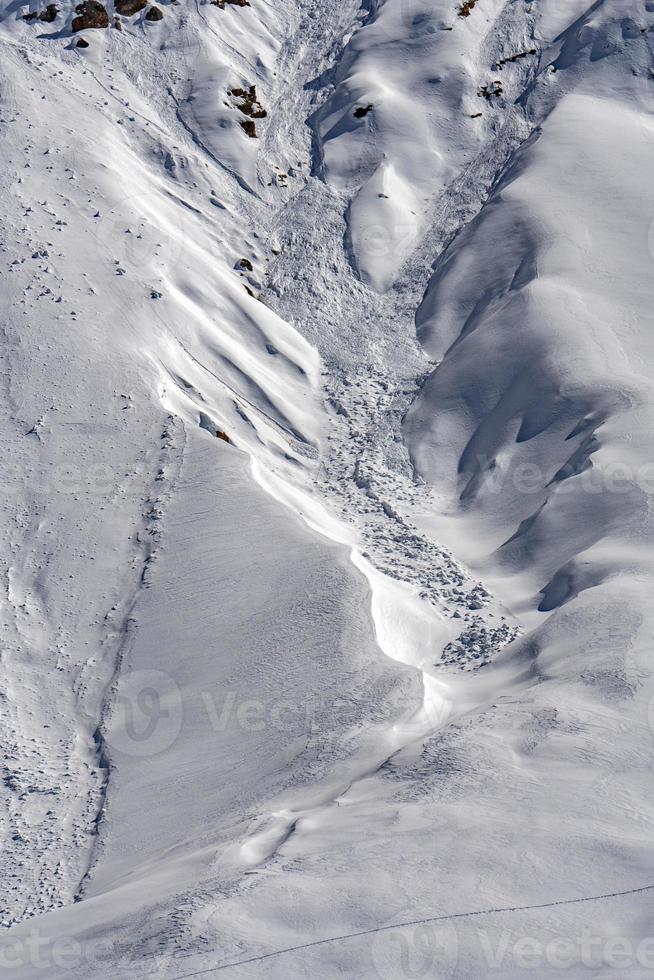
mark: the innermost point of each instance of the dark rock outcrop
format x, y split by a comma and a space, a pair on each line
91, 13
249, 103
249, 127
154, 13
47, 15
127, 8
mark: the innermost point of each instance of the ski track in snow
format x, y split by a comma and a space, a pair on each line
407, 925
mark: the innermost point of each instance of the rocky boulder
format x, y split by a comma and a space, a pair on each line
47, 15
127, 8
91, 13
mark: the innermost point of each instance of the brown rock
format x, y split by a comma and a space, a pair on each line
129, 7
249, 104
81, 43
47, 15
154, 13
91, 13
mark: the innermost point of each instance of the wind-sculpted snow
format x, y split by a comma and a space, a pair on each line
418, 88
533, 315
327, 437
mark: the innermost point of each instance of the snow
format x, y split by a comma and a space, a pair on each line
326, 545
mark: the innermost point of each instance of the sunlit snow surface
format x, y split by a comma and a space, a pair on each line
327, 485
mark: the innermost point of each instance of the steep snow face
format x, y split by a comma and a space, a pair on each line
313, 315
401, 122
535, 420
125, 313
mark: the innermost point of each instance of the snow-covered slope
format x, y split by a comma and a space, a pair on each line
327, 540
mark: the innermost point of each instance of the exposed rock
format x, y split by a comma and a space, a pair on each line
47, 15
249, 104
129, 7
512, 60
246, 264
154, 13
362, 111
488, 91
236, 3
91, 13
249, 127
81, 43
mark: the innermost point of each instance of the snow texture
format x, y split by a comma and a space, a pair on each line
327, 549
